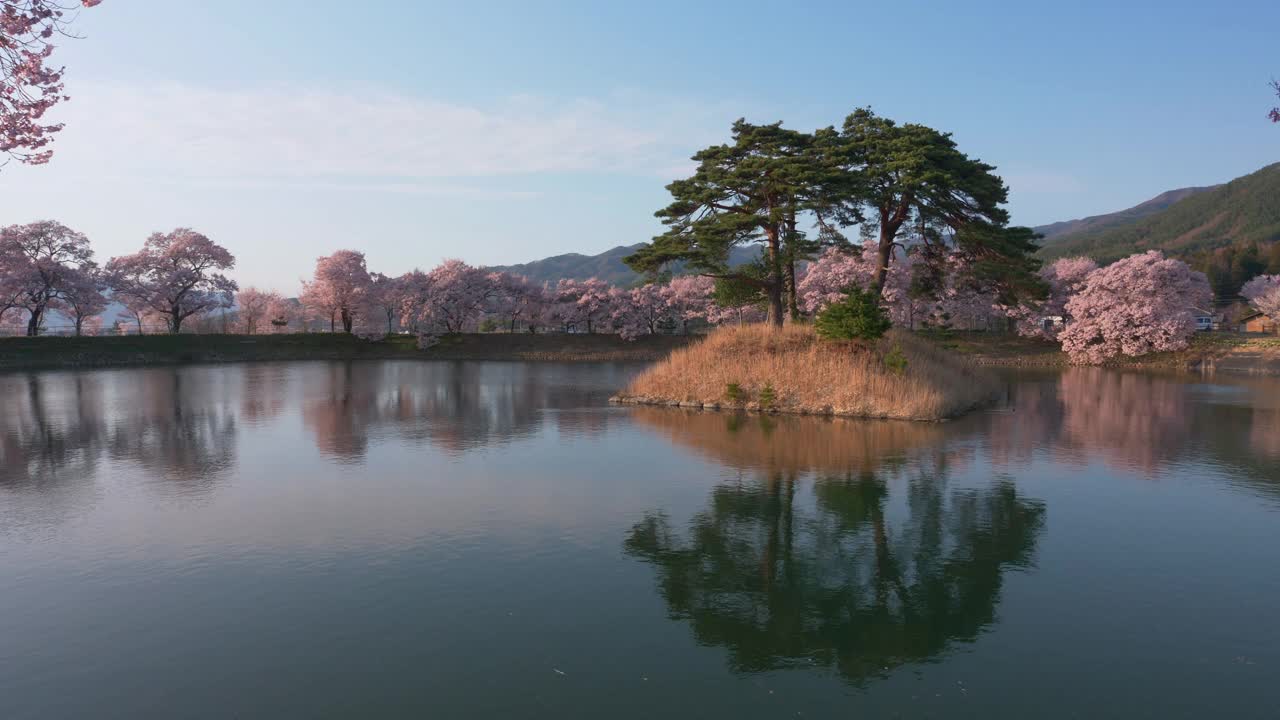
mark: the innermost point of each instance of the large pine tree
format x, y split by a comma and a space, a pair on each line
744, 192
908, 186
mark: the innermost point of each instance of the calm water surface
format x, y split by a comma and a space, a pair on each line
495, 541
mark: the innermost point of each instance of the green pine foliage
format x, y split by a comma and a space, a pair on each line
857, 317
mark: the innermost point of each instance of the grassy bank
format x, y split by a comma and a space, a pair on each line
790, 370
1230, 352
86, 352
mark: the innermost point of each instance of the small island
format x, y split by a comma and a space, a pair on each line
791, 370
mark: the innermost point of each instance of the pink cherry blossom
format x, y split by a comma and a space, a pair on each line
254, 308
82, 299
640, 311
451, 298
516, 301
40, 264
338, 289
175, 275
580, 305
1142, 304
1065, 277
1263, 294
688, 298
28, 86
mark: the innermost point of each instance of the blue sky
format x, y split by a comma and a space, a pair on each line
503, 132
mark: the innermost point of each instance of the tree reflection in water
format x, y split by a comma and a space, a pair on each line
177, 423
806, 560
51, 430
454, 406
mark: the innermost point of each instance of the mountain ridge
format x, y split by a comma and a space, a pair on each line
1182, 222
1239, 213
1096, 223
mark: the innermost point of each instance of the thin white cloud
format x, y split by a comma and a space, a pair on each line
184, 133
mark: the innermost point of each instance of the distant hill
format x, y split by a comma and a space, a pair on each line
607, 266
1192, 221
1097, 223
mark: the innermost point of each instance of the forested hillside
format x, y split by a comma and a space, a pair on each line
1230, 232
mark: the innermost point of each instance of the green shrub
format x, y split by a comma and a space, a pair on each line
768, 397
734, 392
857, 317
896, 361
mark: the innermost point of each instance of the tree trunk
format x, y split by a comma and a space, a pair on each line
793, 308
774, 281
884, 253
33, 323
79, 322
346, 320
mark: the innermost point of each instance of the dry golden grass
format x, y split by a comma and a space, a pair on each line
809, 375
791, 444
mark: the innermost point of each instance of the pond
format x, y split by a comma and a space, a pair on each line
494, 540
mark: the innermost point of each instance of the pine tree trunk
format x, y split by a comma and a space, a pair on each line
884, 253
793, 308
774, 281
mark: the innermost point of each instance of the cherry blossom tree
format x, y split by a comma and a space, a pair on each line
175, 275
39, 263
82, 299
1263, 294
284, 315
1144, 303
595, 305
639, 311
415, 297
688, 298
455, 296
1065, 277
137, 312
735, 314
829, 278
338, 289
518, 300
254, 306
584, 304
12, 322
385, 298
833, 274
28, 86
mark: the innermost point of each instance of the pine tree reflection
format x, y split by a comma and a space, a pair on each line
807, 562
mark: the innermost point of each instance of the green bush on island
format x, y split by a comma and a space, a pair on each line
857, 317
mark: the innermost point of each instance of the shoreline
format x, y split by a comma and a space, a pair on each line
757, 409
1209, 352
72, 353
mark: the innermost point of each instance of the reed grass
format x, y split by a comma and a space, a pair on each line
814, 376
